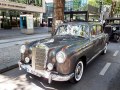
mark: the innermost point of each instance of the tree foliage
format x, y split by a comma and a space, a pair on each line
94, 3
107, 2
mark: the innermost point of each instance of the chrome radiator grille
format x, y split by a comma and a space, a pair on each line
38, 58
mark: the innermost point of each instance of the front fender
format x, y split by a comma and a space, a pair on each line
69, 65
117, 32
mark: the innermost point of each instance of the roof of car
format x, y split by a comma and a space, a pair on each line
113, 18
88, 23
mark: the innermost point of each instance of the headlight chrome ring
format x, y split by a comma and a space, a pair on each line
27, 60
60, 57
22, 49
114, 28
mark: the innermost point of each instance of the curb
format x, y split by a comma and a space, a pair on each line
8, 68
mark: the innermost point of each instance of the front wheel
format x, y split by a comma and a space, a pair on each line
78, 72
116, 38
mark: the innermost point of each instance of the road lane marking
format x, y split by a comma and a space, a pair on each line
105, 68
116, 53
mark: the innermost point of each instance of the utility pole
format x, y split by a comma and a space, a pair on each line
58, 15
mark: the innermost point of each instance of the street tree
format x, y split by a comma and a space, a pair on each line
107, 2
58, 15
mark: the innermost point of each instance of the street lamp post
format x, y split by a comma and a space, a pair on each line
100, 6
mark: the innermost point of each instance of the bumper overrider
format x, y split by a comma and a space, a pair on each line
46, 74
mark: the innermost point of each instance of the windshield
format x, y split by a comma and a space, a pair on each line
75, 30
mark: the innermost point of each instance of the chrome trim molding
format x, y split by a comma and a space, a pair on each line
95, 56
46, 74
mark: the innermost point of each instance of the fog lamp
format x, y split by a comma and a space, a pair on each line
50, 66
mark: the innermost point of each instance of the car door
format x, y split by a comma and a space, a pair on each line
101, 37
88, 45
93, 43
94, 39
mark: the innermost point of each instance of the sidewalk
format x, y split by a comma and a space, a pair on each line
10, 42
16, 33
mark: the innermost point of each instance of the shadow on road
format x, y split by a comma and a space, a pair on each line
43, 83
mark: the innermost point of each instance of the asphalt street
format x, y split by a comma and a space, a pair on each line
101, 74
9, 42
9, 50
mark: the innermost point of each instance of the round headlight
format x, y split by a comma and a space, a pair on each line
60, 57
27, 60
50, 66
23, 48
114, 28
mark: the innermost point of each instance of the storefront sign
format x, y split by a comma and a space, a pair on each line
32, 7
11, 5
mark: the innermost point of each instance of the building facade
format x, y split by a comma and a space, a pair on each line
77, 7
10, 11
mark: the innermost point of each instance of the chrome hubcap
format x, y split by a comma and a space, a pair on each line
79, 71
117, 37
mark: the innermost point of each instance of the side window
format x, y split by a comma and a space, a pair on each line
74, 30
84, 31
99, 29
93, 31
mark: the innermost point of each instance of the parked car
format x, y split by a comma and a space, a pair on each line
112, 27
64, 56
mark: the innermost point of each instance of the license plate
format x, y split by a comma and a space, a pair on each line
35, 73
29, 70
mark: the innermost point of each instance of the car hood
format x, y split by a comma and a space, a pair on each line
58, 41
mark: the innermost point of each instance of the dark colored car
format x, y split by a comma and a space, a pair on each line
64, 56
112, 27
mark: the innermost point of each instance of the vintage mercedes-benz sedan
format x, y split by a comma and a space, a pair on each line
63, 57
112, 27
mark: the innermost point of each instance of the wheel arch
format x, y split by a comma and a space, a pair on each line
84, 60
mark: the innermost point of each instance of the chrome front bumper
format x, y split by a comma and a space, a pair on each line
46, 74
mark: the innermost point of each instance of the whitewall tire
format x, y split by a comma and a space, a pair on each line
78, 72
